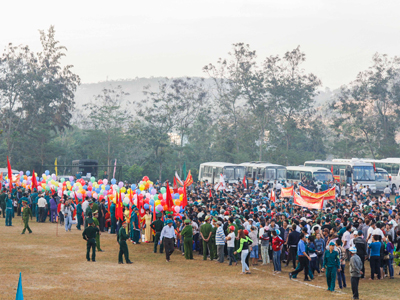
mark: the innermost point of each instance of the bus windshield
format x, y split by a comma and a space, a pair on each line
270, 174
363, 173
239, 173
229, 173
281, 174
381, 176
323, 176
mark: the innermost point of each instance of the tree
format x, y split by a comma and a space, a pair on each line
108, 119
292, 95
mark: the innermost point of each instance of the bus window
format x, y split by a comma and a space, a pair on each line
363, 173
270, 174
323, 176
281, 173
229, 173
308, 175
289, 175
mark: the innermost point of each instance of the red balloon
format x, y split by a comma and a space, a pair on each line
101, 197
163, 202
180, 190
100, 181
160, 196
89, 188
145, 178
146, 200
140, 196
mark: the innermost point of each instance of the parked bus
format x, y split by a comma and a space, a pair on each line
382, 176
317, 174
349, 171
4, 171
211, 171
264, 171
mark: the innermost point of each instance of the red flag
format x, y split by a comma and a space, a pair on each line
332, 169
1, 177
273, 196
109, 203
169, 198
244, 182
175, 186
210, 194
9, 172
184, 199
34, 181
120, 207
189, 179
374, 167
154, 212
76, 199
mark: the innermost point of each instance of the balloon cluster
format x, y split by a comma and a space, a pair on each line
144, 195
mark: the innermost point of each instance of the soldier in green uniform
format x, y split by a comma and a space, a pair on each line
187, 234
205, 232
26, 213
3, 197
135, 232
331, 264
157, 226
212, 239
123, 247
89, 235
88, 213
97, 224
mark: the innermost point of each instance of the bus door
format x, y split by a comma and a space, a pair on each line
342, 174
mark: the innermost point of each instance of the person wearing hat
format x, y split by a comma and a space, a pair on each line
230, 241
134, 229
26, 213
123, 247
97, 224
187, 234
89, 235
157, 226
205, 233
79, 212
355, 271
168, 237
88, 213
331, 265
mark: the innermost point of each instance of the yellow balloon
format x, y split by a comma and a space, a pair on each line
181, 197
123, 189
141, 187
158, 202
44, 176
103, 187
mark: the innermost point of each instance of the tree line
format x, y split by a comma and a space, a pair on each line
262, 110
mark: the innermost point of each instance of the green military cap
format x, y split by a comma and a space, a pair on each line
159, 215
24, 201
95, 212
135, 209
207, 218
187, 221
215, 219
90, 220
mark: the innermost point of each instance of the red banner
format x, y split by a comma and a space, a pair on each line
327, 195
309, 203
287, 192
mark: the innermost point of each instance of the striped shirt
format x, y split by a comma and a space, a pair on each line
220, 236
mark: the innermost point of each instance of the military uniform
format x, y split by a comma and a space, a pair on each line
26, 213
89, 234
212, 241
187, 234
134, 232
123, 247
9, 211
331, 264
205, 230
157, 226
113, 219
88, 214
97, 224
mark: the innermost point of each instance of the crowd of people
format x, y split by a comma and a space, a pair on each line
357, 230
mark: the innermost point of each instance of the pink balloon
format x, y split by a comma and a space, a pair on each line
177, 209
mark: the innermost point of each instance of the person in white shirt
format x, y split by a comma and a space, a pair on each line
230, 243
167, 238
42, 203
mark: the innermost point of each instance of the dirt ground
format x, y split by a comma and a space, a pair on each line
55, 267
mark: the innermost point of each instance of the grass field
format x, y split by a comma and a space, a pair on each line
55, 267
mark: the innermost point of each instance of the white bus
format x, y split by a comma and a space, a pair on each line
4, 171
349, 171
211, 171
264, 171
317, 174
390, 165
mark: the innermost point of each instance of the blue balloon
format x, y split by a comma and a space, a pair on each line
151, 209
72, 182
21, 179
146, 206
47, 172
138, 191
176, 196
107, 187
151, 202
28, 173
113, 181
85, 187
40, 179
182, 210
133, 187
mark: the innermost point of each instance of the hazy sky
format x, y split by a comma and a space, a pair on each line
127, 39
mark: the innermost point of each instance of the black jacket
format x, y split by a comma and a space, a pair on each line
294, 238
361, 246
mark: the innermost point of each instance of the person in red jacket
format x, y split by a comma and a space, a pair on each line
277, 243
